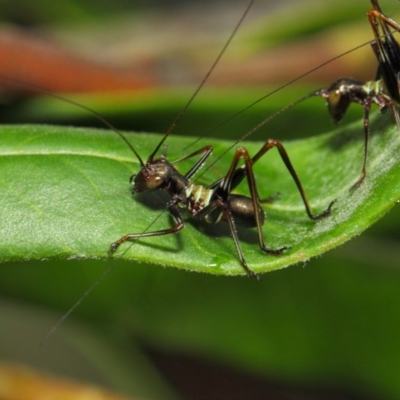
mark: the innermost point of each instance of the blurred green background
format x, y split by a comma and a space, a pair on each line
324, 330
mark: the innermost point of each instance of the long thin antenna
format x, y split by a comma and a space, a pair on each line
289, 106
77, 303
173, 125
91, 287
275, 91
75, 103
260, 125
182, 112
107, 123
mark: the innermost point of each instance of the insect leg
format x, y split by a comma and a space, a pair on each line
225, 201
386, 49
241, 172
241, 152
367, 109
222, 205
387, 52
176, 215
207, 152
271, 143
376, 18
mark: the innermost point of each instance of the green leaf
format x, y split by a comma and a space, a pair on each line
65, 194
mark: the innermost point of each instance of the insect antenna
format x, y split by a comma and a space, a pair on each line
50, 333
171, 128
204, 80
294, 80
39, 89
97, 115
322, 92
264, 122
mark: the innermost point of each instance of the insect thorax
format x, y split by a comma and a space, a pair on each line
198, 197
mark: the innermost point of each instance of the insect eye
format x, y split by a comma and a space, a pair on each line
154, 182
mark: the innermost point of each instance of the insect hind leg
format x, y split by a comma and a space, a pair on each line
271, 143
248, 211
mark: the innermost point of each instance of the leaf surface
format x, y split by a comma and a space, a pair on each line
65, 194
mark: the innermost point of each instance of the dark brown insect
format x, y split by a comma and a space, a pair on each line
383, 91
215, 202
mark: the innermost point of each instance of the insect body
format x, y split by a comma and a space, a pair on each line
215, 202
384, 91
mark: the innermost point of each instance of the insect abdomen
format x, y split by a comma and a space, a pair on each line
242, 210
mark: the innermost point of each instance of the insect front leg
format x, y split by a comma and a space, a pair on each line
205, 151
176, 215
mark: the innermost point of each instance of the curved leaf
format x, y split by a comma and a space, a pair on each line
65, 194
